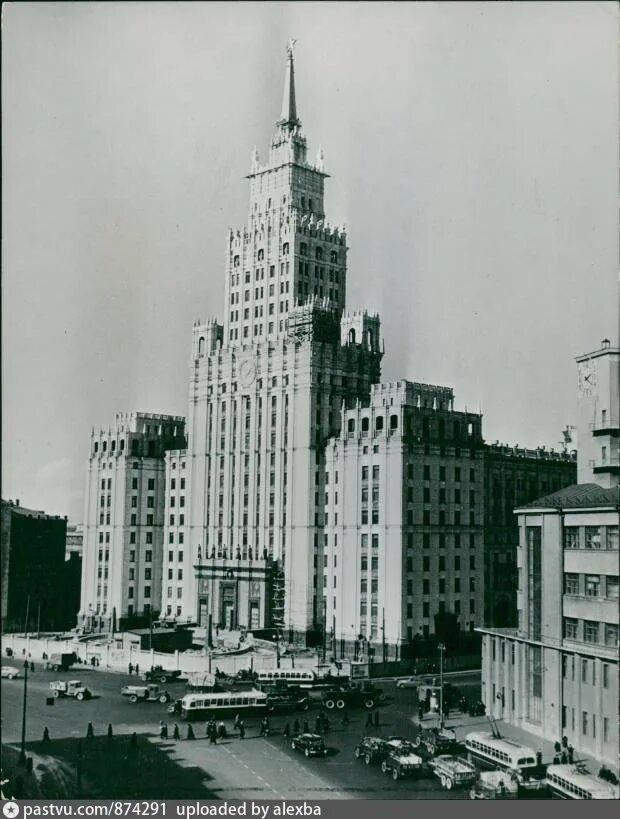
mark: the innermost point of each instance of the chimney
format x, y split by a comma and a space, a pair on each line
16, 501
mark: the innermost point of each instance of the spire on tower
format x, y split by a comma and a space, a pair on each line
289, 108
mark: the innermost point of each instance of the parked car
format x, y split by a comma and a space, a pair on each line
372, 750
309, 745
408, 682
72, 688
476, 708
145, 693
436, 740
161, 675
401, 761
282, 702
9, 672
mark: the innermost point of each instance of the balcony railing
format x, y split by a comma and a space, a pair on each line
605, 426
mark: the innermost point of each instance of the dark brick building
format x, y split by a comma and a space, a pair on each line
513, 477
34, 567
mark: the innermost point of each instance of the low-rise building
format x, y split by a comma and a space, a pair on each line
556, 673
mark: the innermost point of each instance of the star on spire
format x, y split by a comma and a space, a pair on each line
289, 108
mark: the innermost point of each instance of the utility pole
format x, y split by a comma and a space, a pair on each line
150, 629
22, 753
27, 617
442, 648
334, 637
383, 635
39, 621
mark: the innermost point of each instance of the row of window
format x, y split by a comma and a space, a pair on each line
591, 631
591, 537
588, 670
589, 585
588, 728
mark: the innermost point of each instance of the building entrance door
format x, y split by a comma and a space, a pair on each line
254, 615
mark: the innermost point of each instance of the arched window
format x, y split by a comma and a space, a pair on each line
201, 345
351, 336
303, 249
236, 261
365, 424
351, 425
333, 256
319, 253
393, 422
285, 249
370, 339
309, 204
303, 201
261, 255
379, 423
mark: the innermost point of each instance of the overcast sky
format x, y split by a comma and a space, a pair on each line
472, 151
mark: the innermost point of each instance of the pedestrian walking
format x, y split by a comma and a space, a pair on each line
137, 669
296, 727
369, 720
318, 724
420, 712
237, 721
176, 734
90, 731
212, 734
190, 732
287, 729
32, 667
242, 730
109, 730
164, 731
130, 669
46, 735
571, 754
376, 719
221, 730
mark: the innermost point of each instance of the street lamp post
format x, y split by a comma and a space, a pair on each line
383, 646
22, 753
442, 648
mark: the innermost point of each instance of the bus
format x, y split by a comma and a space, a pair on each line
292, 676
199, 706
575, 782
501, 753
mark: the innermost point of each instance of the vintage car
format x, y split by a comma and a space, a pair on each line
71, 688
10, 672
372, 750
145, 693
309, 745
401, 761
436, 740
161, 675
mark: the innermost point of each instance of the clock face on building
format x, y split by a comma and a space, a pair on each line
587, 378
247, 372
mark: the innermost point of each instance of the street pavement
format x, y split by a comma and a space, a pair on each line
255, 767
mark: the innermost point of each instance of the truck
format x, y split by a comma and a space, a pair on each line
453, 771
145, 693
61, 662
71, 688
401, 761
435, 740
161, 675
352, 695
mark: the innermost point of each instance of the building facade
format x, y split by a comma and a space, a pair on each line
403, 499
36, 590
556, 673
124, 519
266, 393
513, 476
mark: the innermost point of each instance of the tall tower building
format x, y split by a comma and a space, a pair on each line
266, 392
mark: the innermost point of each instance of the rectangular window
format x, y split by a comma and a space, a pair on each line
590, 631
570, 628
611, 584
593, 537
611, 635
612, 537
534, 581
571, 537
593, 585
571, 583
